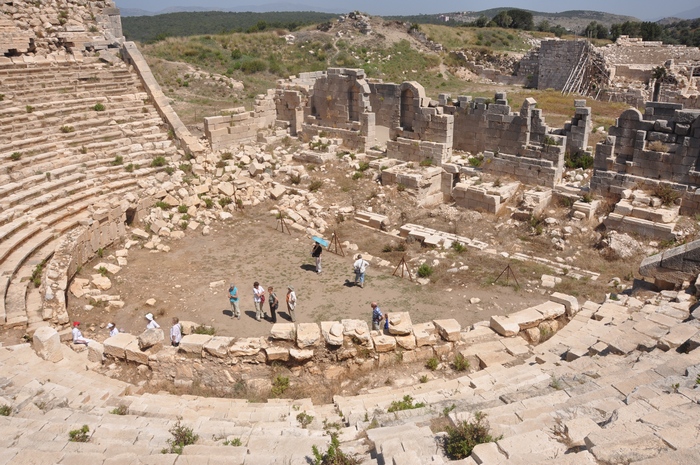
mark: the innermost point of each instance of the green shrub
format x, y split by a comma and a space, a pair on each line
158, 162
118, 160
5, 410
425, 270
254, 66
477, 161
333, 456
15, 156
36, 274
29, 108
99, 107
162, 205
182, 436
423, 379
224, 201
666, 193
129, 168
578, 159
208, 203
404, 404
460, 363
120, 410
363, 166
357, 175
432, 363
67, 129
182, 209
202, 329
233, 442
315, 185
80, 435
426, 162
102, 270
587, 197
462, 439
304, 419
295, 179
279, 385
458, 247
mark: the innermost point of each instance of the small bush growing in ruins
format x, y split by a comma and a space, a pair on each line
587, 197
657, 146
401, 187
549, 141
162, 205
578, 159
697, 380
554, 383
183, 225
497, 182
202, 329
423, 379
315, 185
158, 162
426, 162
432, 363
169, 170
120, 410
333, 456
5, 410
129, 168
462, 439
2, 97
304, 419
363, 166
387, 248
404, 404
182, 209
79, 435
208, 203
100, 252
236, 442
118, 160
67, 129
226, 156
425, 270
537, 224
99, 107
279, 385
182, 436
458, 247
15, 156
357, 175
460, 363
29, 108
223, 201
102, 270
36, 274
295, 179
666, 193
477, 161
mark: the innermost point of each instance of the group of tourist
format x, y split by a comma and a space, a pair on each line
259, 298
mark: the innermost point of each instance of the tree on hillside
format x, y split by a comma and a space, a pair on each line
595, 30
521, 19
502, 19
651, 31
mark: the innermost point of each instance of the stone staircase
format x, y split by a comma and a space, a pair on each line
618, 384
73, 134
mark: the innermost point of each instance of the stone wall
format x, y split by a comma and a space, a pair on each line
105, 226
384, 99
185, 139
58, 27
237, 126
660, 147
557, 59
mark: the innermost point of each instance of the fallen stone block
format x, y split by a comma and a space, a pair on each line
47, 344
301, 355
277, 353
448, 329
384, 343
194, 343
504, 325
308, 335
677, 336
134, 353
332, 332
283, 331
425, 334
96, 352
218, 346
400, 323
115, 346
150, 338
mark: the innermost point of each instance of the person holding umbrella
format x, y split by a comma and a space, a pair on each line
319, 244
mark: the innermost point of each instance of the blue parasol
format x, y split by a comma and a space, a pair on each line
321, 241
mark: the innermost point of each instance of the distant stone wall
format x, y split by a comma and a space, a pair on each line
384, 99
557, 59
237, 126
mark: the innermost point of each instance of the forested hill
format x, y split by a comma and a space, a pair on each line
158, 27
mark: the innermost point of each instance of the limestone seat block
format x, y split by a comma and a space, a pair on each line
47, 344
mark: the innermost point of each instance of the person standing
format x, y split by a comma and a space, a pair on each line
258, 300
316, 253
175, 332
274, 304
291, 302
151, 322
377, 317
360, 267
233, 299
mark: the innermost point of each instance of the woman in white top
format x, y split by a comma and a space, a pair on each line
78, 335
175, 332
151, 322
113, 331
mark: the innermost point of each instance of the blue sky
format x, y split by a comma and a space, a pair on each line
643, 9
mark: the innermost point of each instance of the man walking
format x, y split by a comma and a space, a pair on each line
258, 300
291, 302
316, 253
377, 317
360, 266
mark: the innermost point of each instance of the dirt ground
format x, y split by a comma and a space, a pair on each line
249, 249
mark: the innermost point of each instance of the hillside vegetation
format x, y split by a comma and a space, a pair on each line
159, 27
